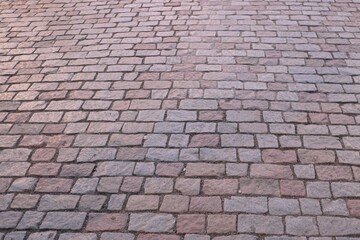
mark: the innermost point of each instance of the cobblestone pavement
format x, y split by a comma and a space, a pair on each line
180, 119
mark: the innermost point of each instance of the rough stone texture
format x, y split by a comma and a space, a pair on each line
354, 207
338, 226
151, 222
205, 204
47, 235
260, 224
345, 189
63, 221
334, 207
246, 204
114, 169
106, 222
280, 206
220, 187
221, 223
78, 236
301, 226
190, 223
142, 202
9, 219
180, 119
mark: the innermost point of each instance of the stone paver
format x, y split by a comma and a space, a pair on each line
180, 119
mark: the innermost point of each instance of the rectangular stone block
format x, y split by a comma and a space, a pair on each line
151, 222
260, 224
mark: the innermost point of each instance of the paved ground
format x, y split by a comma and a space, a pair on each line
180, 119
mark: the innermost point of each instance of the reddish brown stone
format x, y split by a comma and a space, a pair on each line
43, 154
175, 203
279, 156
54, 185
204, 170
274, 171
292, 188
211, 116
316, 156
256, 186
220, 186
354, 207
131, 184
106, 221
142, 202
169, 169
333, 172
190, 223
221, 223
44, 169
205, 204
204, 140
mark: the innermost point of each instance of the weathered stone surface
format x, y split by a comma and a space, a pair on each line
57, 202
221, 223
114, 169
63, 221
13, 169
243, 116
23, 184
95, 154
316, 156
280, 206
259, 186
5, 200
220, 186
31, 220
301, 226
205, 204
338, 226
151, 222
279, 156
106, 222
260, 224
218, 155
9, 219
334, 207
162, 154
345, 189
112, 235
15, 155
237, 140
78, 236
47, 235
190, 223
246, 204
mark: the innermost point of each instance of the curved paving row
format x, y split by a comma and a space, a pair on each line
180, 119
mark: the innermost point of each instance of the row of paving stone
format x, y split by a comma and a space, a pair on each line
250, 155
185, 223
51, 235
11, 170
183, 203
275, 182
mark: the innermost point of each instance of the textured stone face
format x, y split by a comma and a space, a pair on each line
301, 226
246, 204
179, 120
63, 221
337, 226
260, 224
114, 168
106, 222
151, 222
